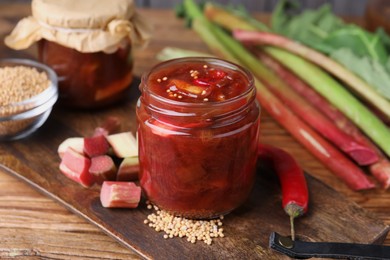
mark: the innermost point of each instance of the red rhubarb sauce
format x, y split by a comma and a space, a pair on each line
198, 126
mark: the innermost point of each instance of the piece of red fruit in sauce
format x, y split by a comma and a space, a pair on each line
116, 194
76, 167
186, 89
216, 74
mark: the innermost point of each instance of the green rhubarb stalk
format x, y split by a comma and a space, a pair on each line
232, 22
218, 17
328, 87
325, 152
357, 84
337, 95
203, 28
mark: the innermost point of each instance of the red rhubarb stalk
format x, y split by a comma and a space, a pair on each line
353, 81
362, 154
331, 89
381, 171
339, 164
295, 194
332, 158
381, 168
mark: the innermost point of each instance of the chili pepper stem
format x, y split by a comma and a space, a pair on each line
293, 210
292, 227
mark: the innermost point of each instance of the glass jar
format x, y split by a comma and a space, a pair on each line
89, 80
87, 43
198, 127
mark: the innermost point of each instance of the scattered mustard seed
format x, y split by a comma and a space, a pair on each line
193, 230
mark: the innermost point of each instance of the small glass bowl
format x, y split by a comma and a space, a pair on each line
19, 119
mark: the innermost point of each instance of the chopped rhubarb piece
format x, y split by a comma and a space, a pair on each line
110, 126
123, 144
103, 168
96, 145
76, 167
76, 143
128, 169
115, 194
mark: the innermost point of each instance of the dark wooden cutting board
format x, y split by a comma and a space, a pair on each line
331, 217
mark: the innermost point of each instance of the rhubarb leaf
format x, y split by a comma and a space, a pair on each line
368, 69
364, 53
360, 42
310, 27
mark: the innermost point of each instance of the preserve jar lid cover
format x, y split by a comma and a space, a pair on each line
84, 25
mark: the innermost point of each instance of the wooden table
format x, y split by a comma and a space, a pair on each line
34, 226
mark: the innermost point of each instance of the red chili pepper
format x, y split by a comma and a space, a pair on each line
295, 195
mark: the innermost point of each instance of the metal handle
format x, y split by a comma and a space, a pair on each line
303, 250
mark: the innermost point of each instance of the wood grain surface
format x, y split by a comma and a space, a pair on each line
34, 226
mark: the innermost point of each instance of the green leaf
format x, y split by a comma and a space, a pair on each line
282, 14
374, 73
384, 37
180, 10
364, 53
310, 27
359, 41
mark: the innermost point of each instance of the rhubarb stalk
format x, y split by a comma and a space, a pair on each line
338, 96
380, 169
330, 89
229, 21
362, 154
324, 151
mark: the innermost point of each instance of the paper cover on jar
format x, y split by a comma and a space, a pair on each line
86, 26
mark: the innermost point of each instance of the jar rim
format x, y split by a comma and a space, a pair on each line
210, 60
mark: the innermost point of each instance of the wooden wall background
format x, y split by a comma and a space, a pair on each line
341, 7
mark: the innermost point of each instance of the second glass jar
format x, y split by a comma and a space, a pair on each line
198, 127
89, 80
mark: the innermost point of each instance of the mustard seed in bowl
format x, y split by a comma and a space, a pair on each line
21, 83
28, 91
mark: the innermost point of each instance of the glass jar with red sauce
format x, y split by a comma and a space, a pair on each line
89, 45
89, 80
198, 127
